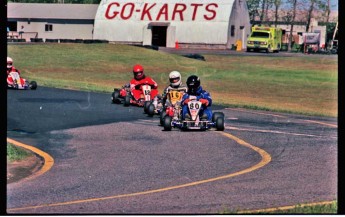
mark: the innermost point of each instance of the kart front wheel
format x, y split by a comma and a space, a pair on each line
33, 85
167, 123
161, 118
220, 124
127, 101
151, 109
216, 115
115, 96
146, 106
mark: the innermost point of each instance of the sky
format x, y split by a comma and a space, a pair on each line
334, 4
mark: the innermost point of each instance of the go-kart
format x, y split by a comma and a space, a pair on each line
193, 121
15, 81
154, 107
172, 106
124, 94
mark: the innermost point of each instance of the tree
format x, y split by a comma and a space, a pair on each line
253, 6
314, 7
294, 8
277, 4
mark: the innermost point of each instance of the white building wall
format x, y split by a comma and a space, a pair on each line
60, 30
202, 21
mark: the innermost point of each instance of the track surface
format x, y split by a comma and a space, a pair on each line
110, 159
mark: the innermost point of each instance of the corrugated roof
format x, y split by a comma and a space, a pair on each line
52, 11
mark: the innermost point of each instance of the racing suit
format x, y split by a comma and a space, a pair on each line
135, 86
9, 78
206, 99
174, 112
180, 88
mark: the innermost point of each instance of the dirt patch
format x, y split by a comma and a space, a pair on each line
18, 170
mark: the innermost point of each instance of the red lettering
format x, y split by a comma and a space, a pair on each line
180, 11
214, 13
131, 9
147, 11
195, 9
115, 13
163, 10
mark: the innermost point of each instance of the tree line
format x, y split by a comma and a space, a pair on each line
293, 12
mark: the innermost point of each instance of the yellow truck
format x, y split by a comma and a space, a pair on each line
265, 38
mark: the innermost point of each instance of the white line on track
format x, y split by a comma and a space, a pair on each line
277, 132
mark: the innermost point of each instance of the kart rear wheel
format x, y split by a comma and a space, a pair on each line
33, 85
115, 96
151, 110
161, 118
220, 124
216, 115
167, 123
127, 101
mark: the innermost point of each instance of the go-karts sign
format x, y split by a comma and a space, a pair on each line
187, 21
151, 11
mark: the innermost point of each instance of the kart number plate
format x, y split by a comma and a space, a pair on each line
175, 96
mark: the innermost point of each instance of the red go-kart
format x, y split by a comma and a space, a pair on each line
125, 95
15, 81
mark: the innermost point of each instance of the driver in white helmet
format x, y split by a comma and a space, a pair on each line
176, 84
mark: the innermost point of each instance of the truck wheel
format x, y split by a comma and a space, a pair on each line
167, 123
127, 101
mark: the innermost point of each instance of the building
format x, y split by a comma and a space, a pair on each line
51, 21
188, 23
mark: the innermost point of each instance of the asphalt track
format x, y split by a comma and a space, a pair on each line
110, 159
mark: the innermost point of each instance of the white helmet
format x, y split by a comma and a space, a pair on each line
175, 78
9, 62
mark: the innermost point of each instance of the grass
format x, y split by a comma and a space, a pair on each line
325, 208
301, 84
15, 153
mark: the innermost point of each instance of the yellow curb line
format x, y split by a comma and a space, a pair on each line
48, 160
266, 158
284, 207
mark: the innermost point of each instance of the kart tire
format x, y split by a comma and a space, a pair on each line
161, 118
216, 115
33, 85
127, 101
151, 110
115, 96
146, 106
167, 123
220, 124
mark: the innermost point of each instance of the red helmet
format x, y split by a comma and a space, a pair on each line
138, 72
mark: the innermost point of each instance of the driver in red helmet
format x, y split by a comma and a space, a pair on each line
140, 79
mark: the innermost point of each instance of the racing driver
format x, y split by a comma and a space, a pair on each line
194, 89
140, 79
